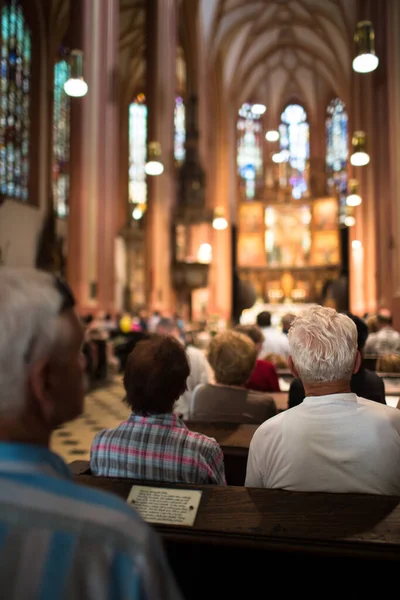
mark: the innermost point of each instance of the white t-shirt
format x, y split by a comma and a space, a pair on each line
275, 342
335, 443
200, 372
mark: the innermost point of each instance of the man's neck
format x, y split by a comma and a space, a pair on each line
327, 389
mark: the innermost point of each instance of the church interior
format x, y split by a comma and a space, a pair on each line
213, 168
255, 113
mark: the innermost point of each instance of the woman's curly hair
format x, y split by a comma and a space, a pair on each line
233, 357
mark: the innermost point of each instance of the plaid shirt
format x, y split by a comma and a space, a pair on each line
157, 448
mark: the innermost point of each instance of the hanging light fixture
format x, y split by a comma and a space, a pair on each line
360, 157
258, 109
353, 199
204, 253
220, 223
366, 60
137, 213
76, 85
278, 157
349, 221
356, 244
154, 165
272, 136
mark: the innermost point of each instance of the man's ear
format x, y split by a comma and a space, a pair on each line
358, 362
292, 368
40, 388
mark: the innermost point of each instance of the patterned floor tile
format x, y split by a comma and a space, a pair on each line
104, 409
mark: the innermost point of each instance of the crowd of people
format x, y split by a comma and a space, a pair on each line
338, 435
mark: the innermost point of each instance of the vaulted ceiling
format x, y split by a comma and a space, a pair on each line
132, 42
274, 50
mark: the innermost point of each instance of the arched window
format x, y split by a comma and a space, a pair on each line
15, 86
180, 130
138, 151
249, 151
295, 147
337, 147
61, 139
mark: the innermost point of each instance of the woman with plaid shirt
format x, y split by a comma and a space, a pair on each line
154, 444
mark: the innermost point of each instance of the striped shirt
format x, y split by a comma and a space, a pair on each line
60, 540
157, 448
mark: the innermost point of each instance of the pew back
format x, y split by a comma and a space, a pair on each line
234, 440
265, 534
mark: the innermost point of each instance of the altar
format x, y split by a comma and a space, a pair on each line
289, 251
277, 310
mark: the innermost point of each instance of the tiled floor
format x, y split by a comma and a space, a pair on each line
103, 408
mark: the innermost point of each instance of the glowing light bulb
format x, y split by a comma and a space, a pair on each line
272, 136
154, 167
349, 221
365, 63
137, 213
76, 88
258, 109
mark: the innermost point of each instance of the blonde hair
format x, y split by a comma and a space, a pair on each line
372, 324
323, 345
232, 356
388, 363
277, 360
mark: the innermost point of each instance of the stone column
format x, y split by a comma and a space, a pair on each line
94, 160
223, 194
394, 153
161, 90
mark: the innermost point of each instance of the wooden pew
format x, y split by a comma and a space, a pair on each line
276, 539
234, 440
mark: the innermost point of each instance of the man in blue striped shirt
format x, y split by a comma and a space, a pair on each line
58, 540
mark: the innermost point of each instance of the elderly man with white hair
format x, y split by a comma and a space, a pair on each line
334, 441
58, 539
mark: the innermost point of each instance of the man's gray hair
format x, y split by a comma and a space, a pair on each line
323, 345
29, 310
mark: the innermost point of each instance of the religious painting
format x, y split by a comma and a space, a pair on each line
325, 214
251, 251
251, 217
325, 248
287, 235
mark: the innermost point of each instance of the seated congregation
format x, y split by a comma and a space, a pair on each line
334, 440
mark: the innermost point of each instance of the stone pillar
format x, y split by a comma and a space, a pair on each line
161, 90
94, 161
394, 153
108, 146
224, 195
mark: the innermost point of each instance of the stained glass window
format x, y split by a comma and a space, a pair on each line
337, 149
61, 139
137, 150
295, 147
249, 150
180, 130
15, 101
